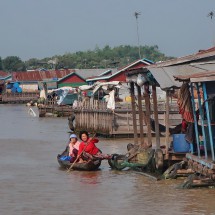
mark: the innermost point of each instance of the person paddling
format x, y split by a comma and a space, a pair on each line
87, 147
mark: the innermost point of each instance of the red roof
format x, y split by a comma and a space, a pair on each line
4, 74
40, 75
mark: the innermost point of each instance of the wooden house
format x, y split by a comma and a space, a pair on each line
29, 81
163, 75
71, 80
119, 74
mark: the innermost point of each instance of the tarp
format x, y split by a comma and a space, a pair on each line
106, 85
65, 95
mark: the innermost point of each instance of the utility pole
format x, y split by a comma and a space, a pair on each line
137, 14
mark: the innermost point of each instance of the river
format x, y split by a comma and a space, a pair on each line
32, 183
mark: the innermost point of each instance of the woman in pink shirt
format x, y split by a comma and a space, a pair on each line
73, 147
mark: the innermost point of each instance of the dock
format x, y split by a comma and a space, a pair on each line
23, 97
94, 116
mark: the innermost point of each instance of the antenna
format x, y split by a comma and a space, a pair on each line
211, 14
137, 14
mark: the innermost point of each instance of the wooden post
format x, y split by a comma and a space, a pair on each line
155, 106
140, 110
167, 121
133, 112
148, 113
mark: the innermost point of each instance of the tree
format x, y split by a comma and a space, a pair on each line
106, 57
32, 63
13, 63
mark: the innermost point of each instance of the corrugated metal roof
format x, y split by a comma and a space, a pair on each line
117, 71
87, 73
164, 72
196, 76
50, 74
207, 55
39, 75
165, 75
4, 74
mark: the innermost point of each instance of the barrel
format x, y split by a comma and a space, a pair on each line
19, 89
16, 85
180, 144
13, 89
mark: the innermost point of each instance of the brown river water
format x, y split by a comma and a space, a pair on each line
32, 183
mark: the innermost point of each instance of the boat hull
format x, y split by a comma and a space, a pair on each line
88, 166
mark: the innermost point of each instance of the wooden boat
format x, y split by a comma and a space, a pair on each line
93, 164
88, 166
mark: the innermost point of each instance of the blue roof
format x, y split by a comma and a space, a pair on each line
145, 59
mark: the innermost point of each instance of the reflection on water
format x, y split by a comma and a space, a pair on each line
31, 181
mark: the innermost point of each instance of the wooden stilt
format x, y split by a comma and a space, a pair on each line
155, 106
167, 122
148, 113
140, 111
133, 112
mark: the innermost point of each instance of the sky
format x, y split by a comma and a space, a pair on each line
44, 28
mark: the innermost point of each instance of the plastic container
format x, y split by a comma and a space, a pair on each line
180, 144
16, 85
13, 89
19, 89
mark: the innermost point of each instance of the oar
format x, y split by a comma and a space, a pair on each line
70, 168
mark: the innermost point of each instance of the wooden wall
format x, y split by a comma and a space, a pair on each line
94, 116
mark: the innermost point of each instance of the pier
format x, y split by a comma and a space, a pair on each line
19, 97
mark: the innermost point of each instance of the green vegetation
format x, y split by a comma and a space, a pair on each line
13, 63
106, 57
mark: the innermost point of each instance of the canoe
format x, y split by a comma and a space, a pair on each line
88, 166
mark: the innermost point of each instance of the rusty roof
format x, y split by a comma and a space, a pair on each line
4, 74
50, 74
208, 55
40, 75
207, 75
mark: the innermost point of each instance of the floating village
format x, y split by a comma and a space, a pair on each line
167, 108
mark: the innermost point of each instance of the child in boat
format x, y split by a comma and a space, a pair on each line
72, 148
87, 147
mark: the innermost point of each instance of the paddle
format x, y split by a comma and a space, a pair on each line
70, 168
